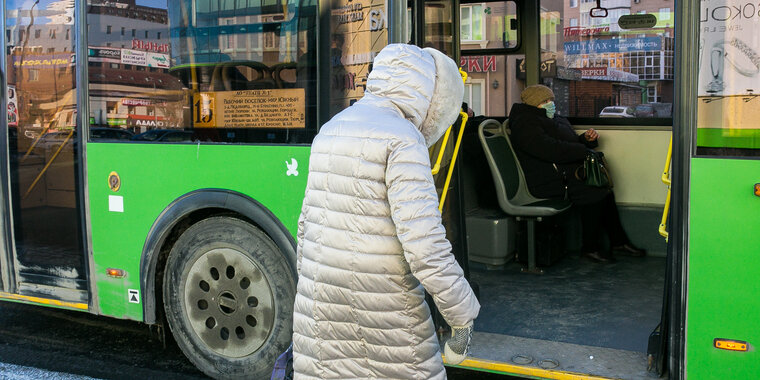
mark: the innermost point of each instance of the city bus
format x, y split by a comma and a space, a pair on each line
155, 157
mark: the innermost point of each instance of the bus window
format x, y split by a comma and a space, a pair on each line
486, 27
729, 85
357, 33
438, 26
592, 63
42, 150
218, 71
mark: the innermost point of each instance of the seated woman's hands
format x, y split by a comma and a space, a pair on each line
591, 135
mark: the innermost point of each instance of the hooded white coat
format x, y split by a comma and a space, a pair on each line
370, 234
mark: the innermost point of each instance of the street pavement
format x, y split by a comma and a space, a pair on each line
44, 343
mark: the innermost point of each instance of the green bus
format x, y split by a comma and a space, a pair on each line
156, 154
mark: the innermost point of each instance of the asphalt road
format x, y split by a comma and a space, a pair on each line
75, 345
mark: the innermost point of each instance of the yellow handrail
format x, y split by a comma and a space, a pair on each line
453, 160
437, 166
666, 180
47, 165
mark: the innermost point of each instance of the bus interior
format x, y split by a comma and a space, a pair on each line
570, 315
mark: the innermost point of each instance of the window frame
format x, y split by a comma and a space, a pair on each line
482, 24
468, 92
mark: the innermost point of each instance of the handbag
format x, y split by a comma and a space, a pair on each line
594, 170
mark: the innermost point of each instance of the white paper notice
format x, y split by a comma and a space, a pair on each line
115, 203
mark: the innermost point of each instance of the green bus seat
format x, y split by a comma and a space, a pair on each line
511, 189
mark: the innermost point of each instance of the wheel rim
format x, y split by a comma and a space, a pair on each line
229, 302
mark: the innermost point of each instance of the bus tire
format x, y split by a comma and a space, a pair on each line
228, 297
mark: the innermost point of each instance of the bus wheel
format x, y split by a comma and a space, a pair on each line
228, 296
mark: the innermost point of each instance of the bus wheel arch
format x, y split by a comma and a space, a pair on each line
188, 210
228, 298
276, 258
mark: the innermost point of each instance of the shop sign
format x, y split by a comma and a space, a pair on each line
148, 121
44, 61
349, 13
158, 60
548, 68
729, 49
587, 72
618, 45
136, 102
104, 55
134, 57
116, 122
571, 31
478, 63
150, 46
277, 108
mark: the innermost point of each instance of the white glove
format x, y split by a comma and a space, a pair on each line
457, 347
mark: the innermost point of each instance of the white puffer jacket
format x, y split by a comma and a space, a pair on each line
370, 234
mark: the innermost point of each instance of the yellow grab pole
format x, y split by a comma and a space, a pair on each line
31, 187
437, 166
666, 180
453, 161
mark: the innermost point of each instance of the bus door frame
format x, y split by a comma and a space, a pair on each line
686, 71
6, 234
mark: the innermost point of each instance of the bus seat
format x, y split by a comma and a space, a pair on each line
229, 77
511, 189
281, 73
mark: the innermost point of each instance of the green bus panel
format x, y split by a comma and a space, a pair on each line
724, 268
152, 177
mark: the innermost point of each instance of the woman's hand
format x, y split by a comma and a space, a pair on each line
591, 135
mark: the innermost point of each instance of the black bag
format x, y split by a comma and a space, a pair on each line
594, 170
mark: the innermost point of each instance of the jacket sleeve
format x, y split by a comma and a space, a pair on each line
414, 209
531, 138
300, 236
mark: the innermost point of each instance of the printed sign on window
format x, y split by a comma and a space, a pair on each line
276, 108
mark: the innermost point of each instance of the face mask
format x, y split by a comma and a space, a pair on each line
550, 109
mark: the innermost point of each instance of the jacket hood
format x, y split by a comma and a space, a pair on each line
424, 85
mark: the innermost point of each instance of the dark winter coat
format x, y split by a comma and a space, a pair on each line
549, 150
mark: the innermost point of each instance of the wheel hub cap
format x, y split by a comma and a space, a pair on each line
229, 302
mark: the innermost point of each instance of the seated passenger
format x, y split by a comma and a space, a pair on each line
549, 152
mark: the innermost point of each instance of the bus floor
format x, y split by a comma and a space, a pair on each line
577, 304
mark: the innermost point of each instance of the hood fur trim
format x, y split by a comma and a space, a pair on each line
447, 97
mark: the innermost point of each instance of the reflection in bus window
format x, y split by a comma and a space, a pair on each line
357, 34
488, 25
729, 83
438, 26
42, 146
593, 63
490, 85
219, 71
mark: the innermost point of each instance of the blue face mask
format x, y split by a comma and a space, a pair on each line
550, 109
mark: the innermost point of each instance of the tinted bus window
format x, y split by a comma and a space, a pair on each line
358, 31
491, 86
598, 68
729, 81
44, 191
210, 71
